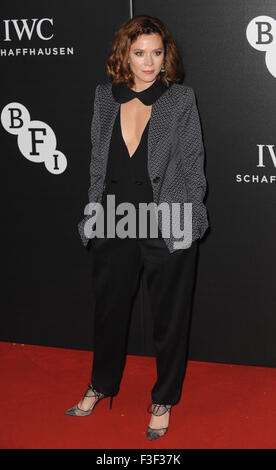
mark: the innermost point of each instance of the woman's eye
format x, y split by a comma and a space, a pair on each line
139, 53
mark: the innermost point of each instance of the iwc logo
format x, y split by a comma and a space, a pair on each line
266, 158
34, 34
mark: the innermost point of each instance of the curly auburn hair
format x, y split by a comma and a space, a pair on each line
117, 63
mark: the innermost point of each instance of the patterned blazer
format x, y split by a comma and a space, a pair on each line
175, 155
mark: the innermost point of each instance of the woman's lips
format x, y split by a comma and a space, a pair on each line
148, 71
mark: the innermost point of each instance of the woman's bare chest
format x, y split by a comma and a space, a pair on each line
134, 117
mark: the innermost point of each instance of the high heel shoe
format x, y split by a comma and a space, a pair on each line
157, 410
90, 392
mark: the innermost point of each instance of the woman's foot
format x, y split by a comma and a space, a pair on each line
86, 404
159, 422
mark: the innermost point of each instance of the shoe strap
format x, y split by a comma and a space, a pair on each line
156, 429
96, 394
155, 409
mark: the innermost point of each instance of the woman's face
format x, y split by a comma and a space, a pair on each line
146, 54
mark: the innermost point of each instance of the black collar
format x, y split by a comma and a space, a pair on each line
122, 93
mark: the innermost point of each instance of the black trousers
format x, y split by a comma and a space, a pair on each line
170, 280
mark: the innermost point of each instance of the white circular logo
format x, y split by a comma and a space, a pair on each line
36, 139
261, 35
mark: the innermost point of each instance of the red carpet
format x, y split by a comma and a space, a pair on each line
222, 406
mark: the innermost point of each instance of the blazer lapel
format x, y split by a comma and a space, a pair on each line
108, 115
159, 128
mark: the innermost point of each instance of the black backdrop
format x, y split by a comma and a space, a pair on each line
48, 293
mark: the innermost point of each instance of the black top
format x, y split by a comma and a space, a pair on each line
127, 177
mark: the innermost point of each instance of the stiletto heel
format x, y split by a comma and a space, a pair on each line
157, 410
77, 411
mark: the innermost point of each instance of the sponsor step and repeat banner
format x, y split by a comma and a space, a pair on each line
52, 57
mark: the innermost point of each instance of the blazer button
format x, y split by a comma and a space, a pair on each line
156, 179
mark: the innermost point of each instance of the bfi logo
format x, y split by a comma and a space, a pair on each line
261, 35
20, 29
36, 139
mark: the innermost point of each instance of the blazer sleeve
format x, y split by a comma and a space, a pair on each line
193, 156
95, 168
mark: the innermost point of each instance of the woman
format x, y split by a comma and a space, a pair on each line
146, 147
